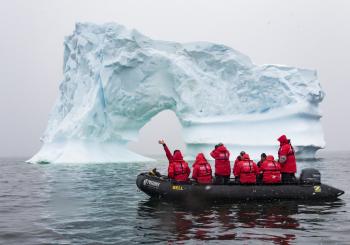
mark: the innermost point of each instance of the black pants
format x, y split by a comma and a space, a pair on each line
288, 178
221, 180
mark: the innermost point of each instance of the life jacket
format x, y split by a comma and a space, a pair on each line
271, 171
204, 175
247, 173
179, 167
247, 170
201, 170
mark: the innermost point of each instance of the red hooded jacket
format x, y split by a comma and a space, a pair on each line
246, 170
271, 170
178, 169
286, 149
222, 161
202, 170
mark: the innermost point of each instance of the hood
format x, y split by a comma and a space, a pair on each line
270, 158
283, 139
246, 157
200, 159
221, 148
177, 156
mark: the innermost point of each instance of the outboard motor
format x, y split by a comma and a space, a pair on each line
310, 176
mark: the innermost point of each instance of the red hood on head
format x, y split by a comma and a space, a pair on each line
270, 158
200, 159
221, 148
177, 155
246, 157
283, 139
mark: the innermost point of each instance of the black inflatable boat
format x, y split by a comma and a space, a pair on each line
305, 189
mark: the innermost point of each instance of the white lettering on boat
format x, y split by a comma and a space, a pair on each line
151, 183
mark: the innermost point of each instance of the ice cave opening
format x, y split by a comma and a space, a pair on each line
165, 125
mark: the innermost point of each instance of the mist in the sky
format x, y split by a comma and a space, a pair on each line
309, 34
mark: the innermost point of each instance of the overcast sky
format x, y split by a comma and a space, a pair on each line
309, 34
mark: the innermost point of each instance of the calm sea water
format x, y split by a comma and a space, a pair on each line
100, 204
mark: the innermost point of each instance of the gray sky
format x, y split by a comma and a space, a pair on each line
310, 34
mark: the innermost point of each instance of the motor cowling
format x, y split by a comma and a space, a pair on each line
310, 176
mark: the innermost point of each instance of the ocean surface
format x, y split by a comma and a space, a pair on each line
100, 204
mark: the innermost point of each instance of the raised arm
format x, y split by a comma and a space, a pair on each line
167, 151
214, 154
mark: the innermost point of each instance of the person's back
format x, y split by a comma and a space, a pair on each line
246, 170
271, 171
286, 157
178, 169
238, 159
202, 172
222, 164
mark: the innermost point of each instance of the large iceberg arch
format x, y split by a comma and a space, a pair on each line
116, 80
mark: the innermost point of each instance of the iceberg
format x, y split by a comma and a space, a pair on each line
117, 79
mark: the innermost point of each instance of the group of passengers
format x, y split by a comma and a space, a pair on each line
245, 170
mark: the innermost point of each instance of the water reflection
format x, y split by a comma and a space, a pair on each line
159, 221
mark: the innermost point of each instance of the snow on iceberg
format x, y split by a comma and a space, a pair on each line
116, 80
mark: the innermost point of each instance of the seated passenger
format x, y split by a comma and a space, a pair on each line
238, 158
201, 170
271, 171
178, 169
262, 159
222, 164
246, 170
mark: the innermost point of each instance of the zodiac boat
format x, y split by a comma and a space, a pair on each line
308, 187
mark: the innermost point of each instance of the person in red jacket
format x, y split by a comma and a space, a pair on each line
246, 171
222, 164
178, 169
270, 170
202, 170
262, 159
238, 158
286, 157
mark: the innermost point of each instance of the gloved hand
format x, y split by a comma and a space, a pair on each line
282, 159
